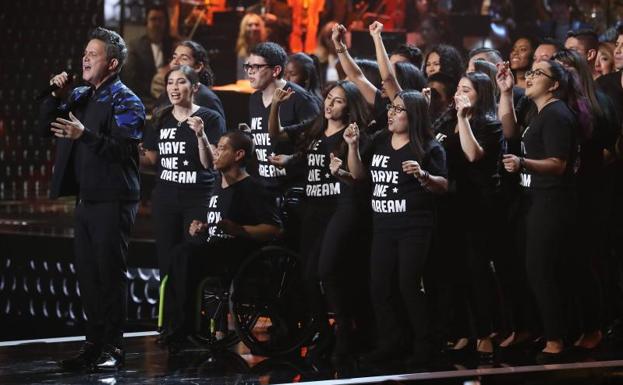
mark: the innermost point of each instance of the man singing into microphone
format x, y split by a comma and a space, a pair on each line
98, 130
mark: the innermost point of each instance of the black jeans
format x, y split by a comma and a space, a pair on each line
327, 233
399, 255
173, 211
102, 230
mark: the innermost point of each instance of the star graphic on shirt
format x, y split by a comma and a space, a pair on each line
395, 190
272, 154
327, 175
185, 163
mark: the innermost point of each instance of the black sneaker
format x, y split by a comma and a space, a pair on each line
111, 358
89, 352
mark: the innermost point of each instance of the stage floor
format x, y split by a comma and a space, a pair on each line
34, 362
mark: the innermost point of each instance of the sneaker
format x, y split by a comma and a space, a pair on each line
84, 359
111, 358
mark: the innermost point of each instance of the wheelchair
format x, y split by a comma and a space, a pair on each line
264, 305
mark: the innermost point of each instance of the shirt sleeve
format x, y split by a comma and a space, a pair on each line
213, 125
436, 160
263, 205
150, 138
126, 129
558, 130
489, 136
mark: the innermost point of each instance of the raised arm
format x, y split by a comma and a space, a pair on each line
471, 148
390, 83
352, 70
275, 131
506, 108
206, 156
355, 165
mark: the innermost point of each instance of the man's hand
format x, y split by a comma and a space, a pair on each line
279, 160
230, 227
69, 129
282, 95
196, 227
62, 81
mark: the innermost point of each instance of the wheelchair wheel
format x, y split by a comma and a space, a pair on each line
268, 303
213, 325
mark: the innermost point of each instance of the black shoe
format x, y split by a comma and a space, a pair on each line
380, 355
545, 358
111, 358
83, 360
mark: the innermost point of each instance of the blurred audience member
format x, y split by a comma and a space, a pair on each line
148, 53
252, 32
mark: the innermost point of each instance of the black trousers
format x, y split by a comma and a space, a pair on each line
173, 211
399, 255
326, 245
549, 241
102, 230
191, 262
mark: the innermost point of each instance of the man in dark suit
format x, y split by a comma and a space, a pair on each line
148, 53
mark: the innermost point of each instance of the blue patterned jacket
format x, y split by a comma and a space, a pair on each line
102, 165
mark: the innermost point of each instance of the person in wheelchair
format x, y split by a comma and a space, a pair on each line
240, 217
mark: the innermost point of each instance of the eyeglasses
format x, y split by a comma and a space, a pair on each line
538, 73
254, 67
396, 109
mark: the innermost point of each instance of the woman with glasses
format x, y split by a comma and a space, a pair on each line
393, 77
332, 213
471, 135
406, 167
546, 168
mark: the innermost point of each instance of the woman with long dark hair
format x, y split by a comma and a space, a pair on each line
180, 146
332, 209
472, 137
406, 167
546, 167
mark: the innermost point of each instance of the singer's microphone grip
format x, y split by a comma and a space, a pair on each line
58, 81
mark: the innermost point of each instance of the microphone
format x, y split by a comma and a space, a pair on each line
53, 87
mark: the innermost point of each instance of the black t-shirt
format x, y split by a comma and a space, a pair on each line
245, 202
299, 107
320, 186
396, 194
477, 177
610, 85
552, 133
178, 152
